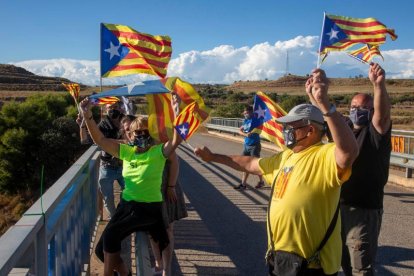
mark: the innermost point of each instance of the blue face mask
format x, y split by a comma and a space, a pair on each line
359, 116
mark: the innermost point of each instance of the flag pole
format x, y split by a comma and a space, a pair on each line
191, 147
363, 61
320, 41
100, 58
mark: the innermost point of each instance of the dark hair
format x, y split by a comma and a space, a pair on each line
248, 108
128, 118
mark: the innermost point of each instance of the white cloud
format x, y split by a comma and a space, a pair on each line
226, 64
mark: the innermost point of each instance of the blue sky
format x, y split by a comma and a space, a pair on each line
50, 30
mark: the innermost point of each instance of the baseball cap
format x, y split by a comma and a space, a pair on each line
302, 112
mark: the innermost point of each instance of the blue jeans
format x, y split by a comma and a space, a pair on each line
107, 176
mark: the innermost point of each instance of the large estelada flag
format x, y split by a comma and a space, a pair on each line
265, 111
340, 32
125, 51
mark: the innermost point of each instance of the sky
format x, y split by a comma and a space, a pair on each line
213, 41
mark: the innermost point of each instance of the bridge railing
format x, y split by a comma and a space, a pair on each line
402, 154
54, 236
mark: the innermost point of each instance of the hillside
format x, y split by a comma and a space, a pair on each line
13, 78
295, 84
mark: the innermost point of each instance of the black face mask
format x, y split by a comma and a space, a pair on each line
114, 113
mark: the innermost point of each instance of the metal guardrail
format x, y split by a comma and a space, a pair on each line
403, 140
53, 237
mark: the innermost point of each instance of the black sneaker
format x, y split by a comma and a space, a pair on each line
259, 185
240, 187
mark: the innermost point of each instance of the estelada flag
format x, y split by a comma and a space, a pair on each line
160, 116
74, 90
188, 121
125, 51
104, 100
340, 33
265, 110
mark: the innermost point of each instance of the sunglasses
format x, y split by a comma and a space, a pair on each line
140, 132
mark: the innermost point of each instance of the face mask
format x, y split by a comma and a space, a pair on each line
359, 116
290, 137
142, 141
113, 113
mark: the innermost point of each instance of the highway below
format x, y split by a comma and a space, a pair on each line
225, 233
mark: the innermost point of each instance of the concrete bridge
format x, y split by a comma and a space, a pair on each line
225, 233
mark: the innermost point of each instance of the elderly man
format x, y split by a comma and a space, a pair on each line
362, 195
306, 181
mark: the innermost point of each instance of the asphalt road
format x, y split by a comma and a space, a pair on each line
225, 233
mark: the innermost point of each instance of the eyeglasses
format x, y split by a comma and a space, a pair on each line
288, 127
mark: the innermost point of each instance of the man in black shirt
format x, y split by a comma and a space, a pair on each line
362, 195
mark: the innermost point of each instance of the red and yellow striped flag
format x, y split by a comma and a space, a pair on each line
366, 53
271, 130
74, 90
160, 116
104, 100
125, 51
188, 121
187, 94
340, 33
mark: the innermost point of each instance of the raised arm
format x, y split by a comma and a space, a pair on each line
171, 145
108, 145
381, 119
346, 150
241, 163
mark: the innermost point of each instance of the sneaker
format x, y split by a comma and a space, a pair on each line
259, 185
241, 187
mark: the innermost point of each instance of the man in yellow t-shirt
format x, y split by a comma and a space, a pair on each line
307, 178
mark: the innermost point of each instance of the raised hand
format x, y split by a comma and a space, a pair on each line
85, 107
320, 85
376, 74
308, 89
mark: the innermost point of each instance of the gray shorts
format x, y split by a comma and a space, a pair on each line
360, 231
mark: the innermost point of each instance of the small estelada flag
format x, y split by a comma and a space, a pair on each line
188, 121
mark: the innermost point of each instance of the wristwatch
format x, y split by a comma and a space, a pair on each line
332, 109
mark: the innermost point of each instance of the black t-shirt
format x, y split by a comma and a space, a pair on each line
365, 187
109, 131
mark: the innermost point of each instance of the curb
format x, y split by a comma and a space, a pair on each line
393, 178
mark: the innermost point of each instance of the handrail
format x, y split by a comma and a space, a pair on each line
55, 239
404, 159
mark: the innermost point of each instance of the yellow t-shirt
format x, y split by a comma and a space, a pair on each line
304, 201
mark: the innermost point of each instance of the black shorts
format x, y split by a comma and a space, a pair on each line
130, 217
253, 150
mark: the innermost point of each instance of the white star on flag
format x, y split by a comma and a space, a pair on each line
183, 130
333, 34
260, 112
113, 50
